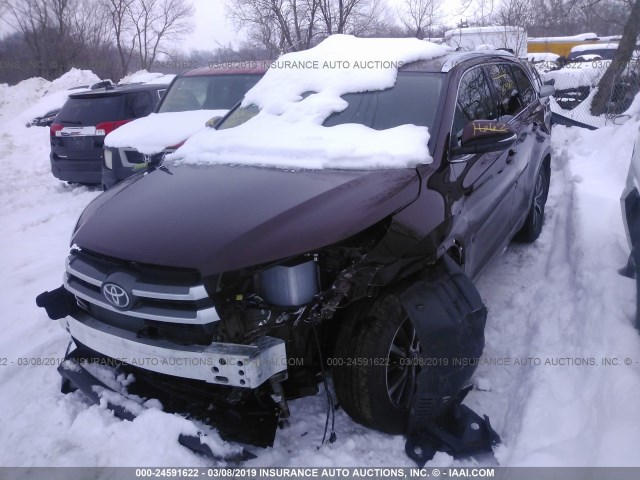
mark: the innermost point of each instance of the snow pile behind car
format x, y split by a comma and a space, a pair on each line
36, 96
300, 91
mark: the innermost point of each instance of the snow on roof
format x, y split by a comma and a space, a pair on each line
288, 131
594, 46
542, 57
483, 30
143, 76
155, 132
572, 38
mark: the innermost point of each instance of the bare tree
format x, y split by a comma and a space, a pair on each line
420, 16
348, 16
372, 18
277, 25
121, 29
155, 22
290, 25
56, 32
620, 61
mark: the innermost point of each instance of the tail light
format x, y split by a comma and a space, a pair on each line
176, 146
104, 128
54, 128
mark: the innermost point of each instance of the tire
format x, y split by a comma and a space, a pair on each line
532, 227
373, 386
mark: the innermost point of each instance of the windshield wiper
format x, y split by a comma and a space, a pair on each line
73, 122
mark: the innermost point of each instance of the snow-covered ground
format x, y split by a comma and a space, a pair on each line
560, 298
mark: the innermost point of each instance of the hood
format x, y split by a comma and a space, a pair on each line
155, 132
222, 218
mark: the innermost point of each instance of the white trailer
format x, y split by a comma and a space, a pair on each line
483, 38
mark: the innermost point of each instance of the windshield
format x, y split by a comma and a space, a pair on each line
92, 110
412, 100
211, 92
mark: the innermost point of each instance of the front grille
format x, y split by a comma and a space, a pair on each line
154, 294
130, 156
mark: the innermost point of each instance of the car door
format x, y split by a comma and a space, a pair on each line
487, 180
531, 124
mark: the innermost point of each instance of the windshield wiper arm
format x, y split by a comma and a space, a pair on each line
73, 122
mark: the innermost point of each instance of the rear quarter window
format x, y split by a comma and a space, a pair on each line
525, 89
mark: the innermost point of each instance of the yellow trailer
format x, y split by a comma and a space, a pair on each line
561, 45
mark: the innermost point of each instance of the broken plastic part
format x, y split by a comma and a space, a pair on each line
459, 432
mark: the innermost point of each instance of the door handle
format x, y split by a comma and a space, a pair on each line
535, 126
510, 156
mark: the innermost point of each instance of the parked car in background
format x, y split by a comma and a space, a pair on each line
45, 120
192, 101
48, 118
246, 268
593, 51
78, 132
630, 202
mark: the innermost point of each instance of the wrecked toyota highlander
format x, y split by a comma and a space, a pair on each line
332, 224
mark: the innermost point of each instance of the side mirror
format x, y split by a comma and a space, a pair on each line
547, 91
484, 136
212, 122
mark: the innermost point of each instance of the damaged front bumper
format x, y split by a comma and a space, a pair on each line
179, 376
243, 366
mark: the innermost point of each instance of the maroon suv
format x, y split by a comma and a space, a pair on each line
262, 279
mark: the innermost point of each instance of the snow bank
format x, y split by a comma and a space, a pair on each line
154, 133
36, 96
143, 76
288, 131
579, 413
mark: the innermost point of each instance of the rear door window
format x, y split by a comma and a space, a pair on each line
509, 99
525, 89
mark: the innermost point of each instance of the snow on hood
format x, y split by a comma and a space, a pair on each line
143, 76
155, 132
288, 131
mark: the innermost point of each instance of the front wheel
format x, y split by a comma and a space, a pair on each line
375, 368
532, 227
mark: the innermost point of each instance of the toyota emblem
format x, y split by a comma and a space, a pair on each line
116, 295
